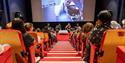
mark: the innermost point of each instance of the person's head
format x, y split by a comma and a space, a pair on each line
38, 30
28, 26
59, 24
87, 27
68, 23
77, 24
18, 25
48, 24
123, 22
104, 16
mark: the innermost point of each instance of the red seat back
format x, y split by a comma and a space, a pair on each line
14, 38
110, 40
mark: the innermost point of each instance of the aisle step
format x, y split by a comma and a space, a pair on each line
62, 54
62, 62
61, 59
62, 51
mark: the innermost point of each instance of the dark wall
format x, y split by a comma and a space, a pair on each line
16, 6
1, 13
1, 4
117, 6
122, 11
53, 24
113, 5
22, 6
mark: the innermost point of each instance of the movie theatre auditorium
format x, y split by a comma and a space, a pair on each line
62, 31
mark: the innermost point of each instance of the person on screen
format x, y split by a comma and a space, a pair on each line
103, 18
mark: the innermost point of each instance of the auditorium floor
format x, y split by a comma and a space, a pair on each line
62, 52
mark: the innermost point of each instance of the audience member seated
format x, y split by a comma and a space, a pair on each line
103, 19
37, 30
68, 27
28, 27
77, 26
77, 38
86, 29
58, 27
28, 40
19, 25
123, 23
17, 16
115, 25
53, 36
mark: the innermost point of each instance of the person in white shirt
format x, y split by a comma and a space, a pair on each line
115, 25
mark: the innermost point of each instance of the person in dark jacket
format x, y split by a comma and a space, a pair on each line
102, 24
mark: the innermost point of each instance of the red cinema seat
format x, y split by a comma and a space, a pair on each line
15, 39
38, 43
93, 50
42, 42
6, 56
120, 54
111, 39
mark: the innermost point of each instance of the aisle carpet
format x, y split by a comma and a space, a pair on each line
62, 52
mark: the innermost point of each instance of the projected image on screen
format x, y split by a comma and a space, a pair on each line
62, 10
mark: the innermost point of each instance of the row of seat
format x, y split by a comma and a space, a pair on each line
110, 41
19, 53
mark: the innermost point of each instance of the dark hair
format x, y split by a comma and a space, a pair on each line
18, 25
105, 16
